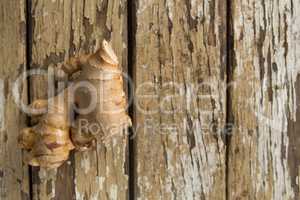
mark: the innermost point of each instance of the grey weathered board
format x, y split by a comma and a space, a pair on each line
180, 102
264, 147
202, 69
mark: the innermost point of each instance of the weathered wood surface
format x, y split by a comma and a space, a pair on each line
187, 84
14, 181
264, 147
180, 102
61, 29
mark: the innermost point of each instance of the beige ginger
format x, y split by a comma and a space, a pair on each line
102, 91
99, 87
48, 143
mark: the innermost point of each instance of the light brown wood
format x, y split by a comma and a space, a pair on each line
186, 87
14, 181
62, 29
51, 32
264, 147
181, 43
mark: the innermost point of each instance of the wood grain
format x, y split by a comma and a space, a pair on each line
14, 181
264, 147
180, 102
64, 28
187, 86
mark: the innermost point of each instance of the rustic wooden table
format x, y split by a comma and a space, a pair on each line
215, 107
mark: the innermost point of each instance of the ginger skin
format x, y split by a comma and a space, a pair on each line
48, 143
100, 70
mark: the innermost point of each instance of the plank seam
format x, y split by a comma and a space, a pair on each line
28, 54
131, 33
229, 118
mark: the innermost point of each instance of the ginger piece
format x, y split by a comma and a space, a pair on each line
100, 72
48, 143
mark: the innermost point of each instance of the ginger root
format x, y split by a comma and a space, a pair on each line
48, 143
101, 79
98, 87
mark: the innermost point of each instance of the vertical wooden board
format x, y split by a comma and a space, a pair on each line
50, 44
264, 148
102, 173
180, 101
14, 182
61, 29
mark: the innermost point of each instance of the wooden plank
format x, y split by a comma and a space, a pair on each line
14, 182
181, 53
264, 148
63, 28
102, 173
51, 33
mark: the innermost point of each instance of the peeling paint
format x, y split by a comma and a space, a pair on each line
2, 106
143, 5
170, 7
85, 163
100, 181
263, 121
113, 192
189, 163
